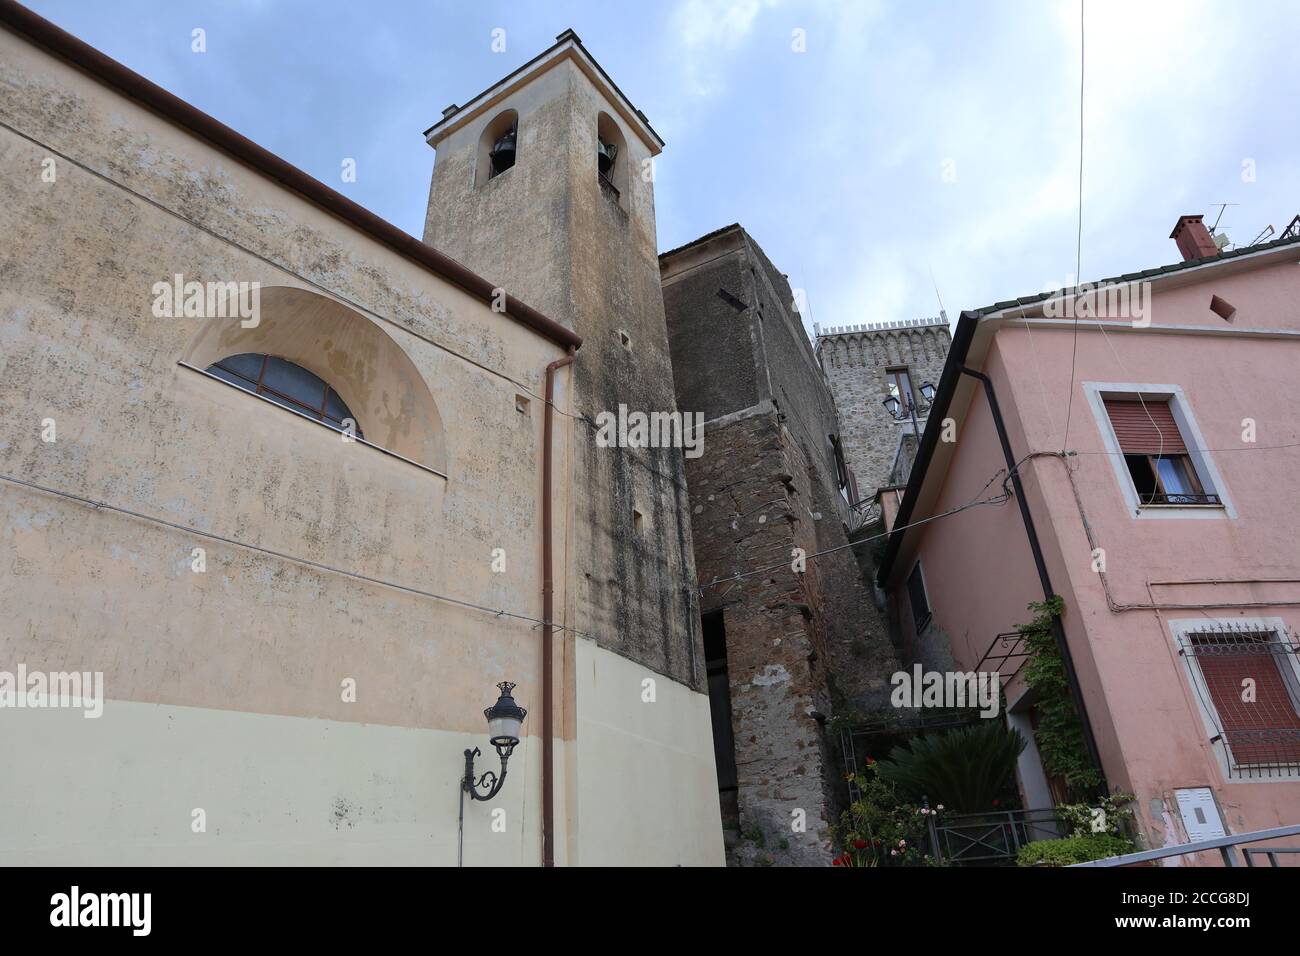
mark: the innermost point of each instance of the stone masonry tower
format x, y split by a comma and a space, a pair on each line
543, 184
865, 365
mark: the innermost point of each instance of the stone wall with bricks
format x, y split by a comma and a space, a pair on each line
801, 646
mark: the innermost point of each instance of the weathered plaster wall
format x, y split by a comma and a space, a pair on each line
225, 687
548, 233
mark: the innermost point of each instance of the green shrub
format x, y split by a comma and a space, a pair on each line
1074, 849
1059, 733
965, 769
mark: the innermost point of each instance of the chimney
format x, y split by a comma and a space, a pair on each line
1194, 240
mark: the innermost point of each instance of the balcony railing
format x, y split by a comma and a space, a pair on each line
992, 838
1006, 655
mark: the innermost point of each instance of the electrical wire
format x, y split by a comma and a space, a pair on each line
188, 529
997, 499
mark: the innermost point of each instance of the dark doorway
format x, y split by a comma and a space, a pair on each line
724, 744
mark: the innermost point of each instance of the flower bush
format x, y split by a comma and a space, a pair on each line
882, 828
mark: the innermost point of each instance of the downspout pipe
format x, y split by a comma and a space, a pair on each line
548, 613
1048, 593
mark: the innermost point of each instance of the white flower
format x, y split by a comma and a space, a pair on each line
939, 807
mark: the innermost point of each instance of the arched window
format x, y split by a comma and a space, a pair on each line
286, 384
497, 147
611, 158
366, 368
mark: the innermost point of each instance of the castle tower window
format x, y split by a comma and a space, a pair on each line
900, 386
498, 147
288, 385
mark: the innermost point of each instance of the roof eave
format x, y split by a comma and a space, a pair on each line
568, 46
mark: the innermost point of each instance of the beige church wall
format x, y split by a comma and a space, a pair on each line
81, 347
123, 790
645, 788
226, 687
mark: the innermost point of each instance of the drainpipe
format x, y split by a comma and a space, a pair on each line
548, 602
1057, 630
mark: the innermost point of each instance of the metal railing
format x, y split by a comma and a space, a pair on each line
1181, 498
1006, 647
1270, 854
1226, 845
994, 837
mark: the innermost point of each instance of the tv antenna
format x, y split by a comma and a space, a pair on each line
1223, 207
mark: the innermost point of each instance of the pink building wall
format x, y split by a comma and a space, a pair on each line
980, 574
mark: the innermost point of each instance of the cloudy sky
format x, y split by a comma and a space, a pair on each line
906, 138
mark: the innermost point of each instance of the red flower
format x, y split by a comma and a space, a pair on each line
836, 862
995, 803
859, 844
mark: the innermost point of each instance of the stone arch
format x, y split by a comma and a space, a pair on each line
358, 359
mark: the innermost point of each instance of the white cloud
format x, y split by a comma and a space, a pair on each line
710, 32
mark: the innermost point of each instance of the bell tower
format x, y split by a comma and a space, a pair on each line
544, 184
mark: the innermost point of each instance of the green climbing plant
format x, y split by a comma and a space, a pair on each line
1059, 734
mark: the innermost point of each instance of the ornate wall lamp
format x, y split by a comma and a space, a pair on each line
505, 718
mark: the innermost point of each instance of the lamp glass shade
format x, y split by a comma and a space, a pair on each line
927, 391
505, 718
891, 405
504, 729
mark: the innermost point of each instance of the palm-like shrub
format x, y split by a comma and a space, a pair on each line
964, 769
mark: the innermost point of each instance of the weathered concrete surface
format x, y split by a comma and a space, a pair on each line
548, 233
799, 645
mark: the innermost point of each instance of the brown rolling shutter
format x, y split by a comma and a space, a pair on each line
1148, 430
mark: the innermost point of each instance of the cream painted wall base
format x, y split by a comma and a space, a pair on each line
121, 790
646, 777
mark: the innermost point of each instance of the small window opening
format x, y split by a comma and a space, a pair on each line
1155, 454
521, 405
900, 386
497, 147
611, 159
1222, 308
502, 154
624, 340
919, 600
638, 521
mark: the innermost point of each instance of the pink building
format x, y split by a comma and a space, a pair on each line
1169, 527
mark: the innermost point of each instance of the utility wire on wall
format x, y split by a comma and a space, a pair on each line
188, 529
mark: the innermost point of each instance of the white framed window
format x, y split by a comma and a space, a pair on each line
1245, 677
1157, 451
